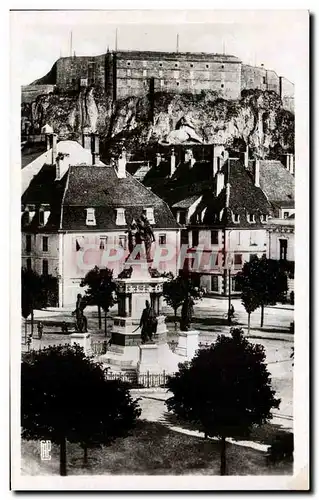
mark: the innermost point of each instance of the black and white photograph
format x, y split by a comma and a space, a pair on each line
160, 323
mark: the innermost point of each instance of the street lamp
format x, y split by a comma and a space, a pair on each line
228, 266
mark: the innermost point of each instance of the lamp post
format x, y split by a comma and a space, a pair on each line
228, 268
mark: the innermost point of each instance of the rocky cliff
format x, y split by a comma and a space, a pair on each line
258, 119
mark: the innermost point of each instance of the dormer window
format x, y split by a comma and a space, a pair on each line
263, 218
236, 218
90, 217
120, 217
251, 218
103, 242
149, 212
41, 217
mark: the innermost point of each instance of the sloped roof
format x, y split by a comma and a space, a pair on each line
245, 198
277, 183
187, 202
44, 190
99, 187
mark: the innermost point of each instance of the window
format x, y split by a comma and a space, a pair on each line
192, 65
128, 63
214, 237
41, 217
103, 242
144, 72
29, 264
286, 215
252, 256
45, 267
222, 85
28, 243
195, 235
160, 73
184, 237
238, 238
214, 283
236, 218
176, 65
45, 240
223, 66
162, 239
128, 72
90, 217
251, 218
161, 64
177, 83
149, 212
162, 83
234, 285
182, 217
207, 66
123, 241
120, 217
264, 79
238, 259
144, 64
263, 218
253, 238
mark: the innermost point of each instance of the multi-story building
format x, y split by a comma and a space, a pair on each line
137, 73
223, 211
76, 214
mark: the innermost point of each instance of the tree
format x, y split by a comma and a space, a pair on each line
100, 290
175, 291
267, 280
65, 396
250, 303
31, 294
225, 389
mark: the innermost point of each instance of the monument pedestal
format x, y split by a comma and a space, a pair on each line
82, 339
187, 344
149, 359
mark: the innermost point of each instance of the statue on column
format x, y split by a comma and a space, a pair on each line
147, 236
80, 319
148, 323
187, 313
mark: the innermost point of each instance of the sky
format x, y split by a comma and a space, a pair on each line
272, 38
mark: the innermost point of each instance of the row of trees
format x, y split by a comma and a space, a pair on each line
65, 396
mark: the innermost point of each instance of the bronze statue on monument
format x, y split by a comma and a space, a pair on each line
140, 232
81, 324
187, 313
148, 323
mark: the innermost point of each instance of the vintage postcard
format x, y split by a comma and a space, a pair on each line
159, 301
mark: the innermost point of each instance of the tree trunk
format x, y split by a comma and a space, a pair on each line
248, 324
105, 329
63, 456
99, 315
175, 314
262, 315
25, 331
85, 455
223, 456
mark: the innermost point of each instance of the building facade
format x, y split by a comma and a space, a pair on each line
77, 216
125, 73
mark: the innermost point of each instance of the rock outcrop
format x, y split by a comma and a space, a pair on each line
258, 119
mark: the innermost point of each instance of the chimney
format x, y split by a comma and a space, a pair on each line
86, 140
121, 165
173, 163
227, 195
158, 159
220, 182
95, 148
47, 140
257, 169
54, 148
246, 157
58, 169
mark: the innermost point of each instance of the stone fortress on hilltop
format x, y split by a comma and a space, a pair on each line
120, 74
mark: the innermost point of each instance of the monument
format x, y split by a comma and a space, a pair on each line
139, 334
81, 336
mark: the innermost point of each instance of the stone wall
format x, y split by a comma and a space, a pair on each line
29, 93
